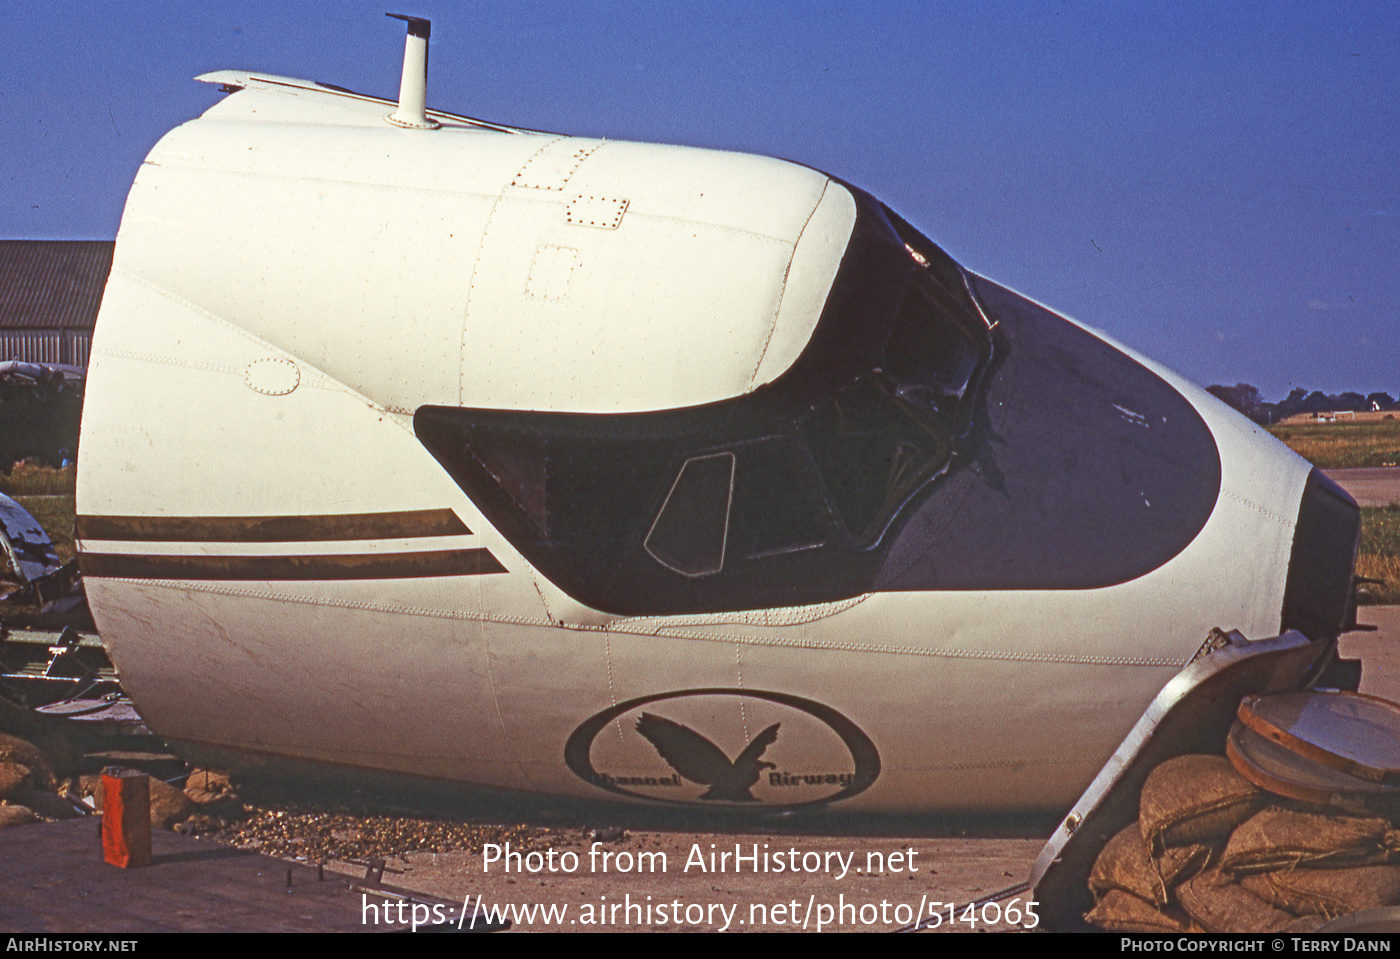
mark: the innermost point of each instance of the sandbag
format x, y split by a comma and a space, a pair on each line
1282, 838
1327, 892
24, 753
13, 815
14, 778
1120, 911
168, 805
1194, 799
1305, 924
1217, 904
209, 782
1176, 864
45, 804
1124, 863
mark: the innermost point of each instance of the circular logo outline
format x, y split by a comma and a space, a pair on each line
866, 757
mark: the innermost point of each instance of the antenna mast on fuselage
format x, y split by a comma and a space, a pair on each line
413, 86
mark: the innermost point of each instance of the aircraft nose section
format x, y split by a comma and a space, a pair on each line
1318, 595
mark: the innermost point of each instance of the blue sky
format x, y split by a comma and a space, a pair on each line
1217, 185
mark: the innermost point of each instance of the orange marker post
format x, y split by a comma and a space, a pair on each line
126, 817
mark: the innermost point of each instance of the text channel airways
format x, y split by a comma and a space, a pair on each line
699, 860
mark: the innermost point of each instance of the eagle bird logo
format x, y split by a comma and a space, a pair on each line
701, 761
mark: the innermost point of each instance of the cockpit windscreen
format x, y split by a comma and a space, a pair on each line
783, 496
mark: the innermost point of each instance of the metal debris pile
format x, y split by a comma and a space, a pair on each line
33, 575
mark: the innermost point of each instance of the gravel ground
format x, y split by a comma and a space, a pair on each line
321, 836
348, 825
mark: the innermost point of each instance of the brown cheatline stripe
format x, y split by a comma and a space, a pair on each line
451, 562
272, 529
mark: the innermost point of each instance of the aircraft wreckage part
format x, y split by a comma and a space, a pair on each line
701, 770
483, 434
1271, 766
1317, 597
44, 666
29, 553
263, 674
1355, 734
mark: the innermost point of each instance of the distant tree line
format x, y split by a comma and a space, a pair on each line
1249, 401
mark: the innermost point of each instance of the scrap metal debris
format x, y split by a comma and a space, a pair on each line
28, 553
33, 575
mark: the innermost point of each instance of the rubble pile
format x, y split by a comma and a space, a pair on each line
171, 806
1212, 853
41, 778
30, 787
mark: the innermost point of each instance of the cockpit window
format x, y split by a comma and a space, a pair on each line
873, 449
930, 358
689, 533
784, 496
778, 507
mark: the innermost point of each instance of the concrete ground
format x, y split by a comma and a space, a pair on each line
1378, 486
917, 870
1379, 651
854, 884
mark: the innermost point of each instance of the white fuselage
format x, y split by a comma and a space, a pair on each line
294, 278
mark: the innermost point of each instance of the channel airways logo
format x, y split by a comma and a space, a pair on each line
677, 750
701, 761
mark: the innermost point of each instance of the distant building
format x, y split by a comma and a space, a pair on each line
49, 294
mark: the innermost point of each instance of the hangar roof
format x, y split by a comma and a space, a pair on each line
46, 284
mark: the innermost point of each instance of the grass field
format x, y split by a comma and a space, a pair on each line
1380, 530
1344, 445
1380, 555
25, 480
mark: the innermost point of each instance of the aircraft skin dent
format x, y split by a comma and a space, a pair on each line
640, 473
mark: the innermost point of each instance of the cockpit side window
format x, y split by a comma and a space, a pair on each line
778, 507
689, 533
